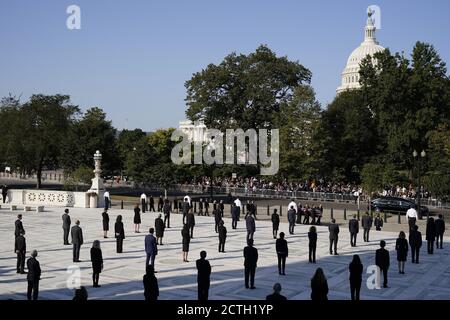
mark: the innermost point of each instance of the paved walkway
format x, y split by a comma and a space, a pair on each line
122, 275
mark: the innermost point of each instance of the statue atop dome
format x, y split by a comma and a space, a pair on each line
370, 13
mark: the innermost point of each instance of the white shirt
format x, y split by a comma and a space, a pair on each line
144, 197
106, 194
188, 199
293, 204
411, 213
238, 203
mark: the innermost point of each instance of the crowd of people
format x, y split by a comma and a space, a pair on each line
154, 239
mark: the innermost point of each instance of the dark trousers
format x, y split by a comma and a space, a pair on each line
119, 244
221, 245
21, 261
184, 217
33, 290
291, 227
281, 262
306, 219
76, 252
167, 219
318, 220
4, 197
415, 254
234, 223
152, 207
95, 278
430, 245
191, 230
66, 236
107, 203
384, 271
353, 239
366, 235
250, 235
250, 274
203, 289
333, 244
355, 288
143, 205
312, 252
275, 231
216, 227
439, 237
151, 259
411, 223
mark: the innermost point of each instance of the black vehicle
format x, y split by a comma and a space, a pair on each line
395, 205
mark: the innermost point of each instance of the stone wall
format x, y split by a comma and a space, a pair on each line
51, 198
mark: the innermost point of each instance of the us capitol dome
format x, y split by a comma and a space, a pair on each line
370, 46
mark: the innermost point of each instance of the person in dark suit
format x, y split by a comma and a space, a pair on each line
281, 247
137, 218
206, 207
200, 207
234, 215
185, 208
20, 248
319, 214
160, 203
152, 204
81, 294
66, 226
77, 240
97, 263
221, 207
307, 213
151, 248
18, 226
159, 229
291, 218
299, 213
382, 260
440, 229
190, 222
356, 269
250, 263
333, 228
275, 223
105, 222
251, 226
312, 245
167, 208
401, 246
366, 223
217, 218
276, 296
430, 235
378, 222
319, 286
222, 236
4, 193
203, 274
33, 277
186, 239
415, 242
353, 227
120, 233
151, 288
143, 202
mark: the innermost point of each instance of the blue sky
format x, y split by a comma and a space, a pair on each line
132, 58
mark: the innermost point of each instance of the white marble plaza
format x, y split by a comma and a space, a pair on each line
122, 274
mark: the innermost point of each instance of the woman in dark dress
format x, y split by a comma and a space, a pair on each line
186, 239
356, 270
120, 233
430, 234
97, 262
105, 220
312, 236
151, 288
319, 286
137, 218
401, 245
159, 229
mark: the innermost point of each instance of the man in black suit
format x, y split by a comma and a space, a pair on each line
20, 248
382, 260
33, 277
251, 226
291, 218
18, 226
366, 223
190, 221
4, 192
281, 247
250, 261
275, 223
66, 226
204, 272
222, 236
234, 215
77, 240
353, 227
415, 241
167, 208
440, 229
217, 219
152, 204
276, 296
160, 203
333, 228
